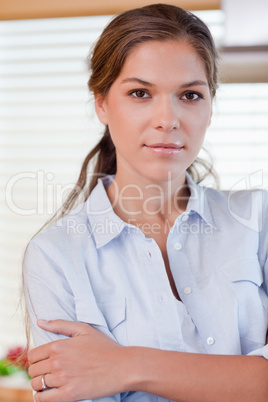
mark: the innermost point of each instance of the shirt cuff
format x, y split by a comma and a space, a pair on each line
260, 352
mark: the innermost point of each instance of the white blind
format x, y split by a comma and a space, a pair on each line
238, 136
47, 126
46, 129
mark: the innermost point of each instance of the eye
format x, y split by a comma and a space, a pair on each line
139, 93
192, 96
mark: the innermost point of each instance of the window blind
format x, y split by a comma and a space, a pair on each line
47, 126
238, 136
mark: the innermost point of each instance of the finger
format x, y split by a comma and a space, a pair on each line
39, 368
50, 380
52, 395
45, 351
39, 353
37, 383
63, 327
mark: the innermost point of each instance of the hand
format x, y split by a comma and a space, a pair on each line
89, 365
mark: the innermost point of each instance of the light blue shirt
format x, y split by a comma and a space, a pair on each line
93, 267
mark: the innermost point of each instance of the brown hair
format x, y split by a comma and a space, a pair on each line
158, 22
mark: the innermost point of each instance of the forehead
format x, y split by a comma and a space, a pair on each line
166, 59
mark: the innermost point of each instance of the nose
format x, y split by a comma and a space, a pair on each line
166, 115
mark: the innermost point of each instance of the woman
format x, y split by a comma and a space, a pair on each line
173, 276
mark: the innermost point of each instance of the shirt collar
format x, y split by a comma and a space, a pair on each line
198, 201
106, 225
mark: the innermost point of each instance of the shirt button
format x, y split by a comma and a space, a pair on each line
185, 218
210, 341
187, 291
150, 255
178, 246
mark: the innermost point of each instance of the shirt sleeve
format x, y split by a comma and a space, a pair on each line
48, 296
263, 352
263, 255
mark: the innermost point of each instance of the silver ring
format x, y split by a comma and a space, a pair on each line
43, 382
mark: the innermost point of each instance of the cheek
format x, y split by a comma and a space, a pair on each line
196, 130
127, 125
201, 122
122, 135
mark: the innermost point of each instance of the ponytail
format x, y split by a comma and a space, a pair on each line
104, 153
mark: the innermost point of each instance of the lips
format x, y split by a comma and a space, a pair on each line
164, 145
164, 148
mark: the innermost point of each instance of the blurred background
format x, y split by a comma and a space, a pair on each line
47, 123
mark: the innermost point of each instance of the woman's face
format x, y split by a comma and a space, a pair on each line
158, 110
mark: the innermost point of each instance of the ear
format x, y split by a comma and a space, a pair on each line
101, 108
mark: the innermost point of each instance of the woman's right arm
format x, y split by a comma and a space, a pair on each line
109, 368
49, 295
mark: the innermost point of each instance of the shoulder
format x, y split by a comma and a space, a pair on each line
236, 198
64, 237
238, 207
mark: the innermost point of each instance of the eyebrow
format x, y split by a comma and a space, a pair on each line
142, 82
193, 83
149, 84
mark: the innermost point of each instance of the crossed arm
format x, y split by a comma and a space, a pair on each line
89, 365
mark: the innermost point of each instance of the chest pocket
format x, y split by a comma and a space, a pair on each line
247, 279
114, 312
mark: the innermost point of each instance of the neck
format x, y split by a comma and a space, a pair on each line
148, 200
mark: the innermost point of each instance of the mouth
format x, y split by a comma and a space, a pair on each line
164, 149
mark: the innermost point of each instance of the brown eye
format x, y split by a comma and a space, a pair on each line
191, 96
140, 94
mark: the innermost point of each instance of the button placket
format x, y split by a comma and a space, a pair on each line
167, 325
185, 217
187, 290
210, 341
178, 246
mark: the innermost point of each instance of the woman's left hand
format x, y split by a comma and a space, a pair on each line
88, 365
